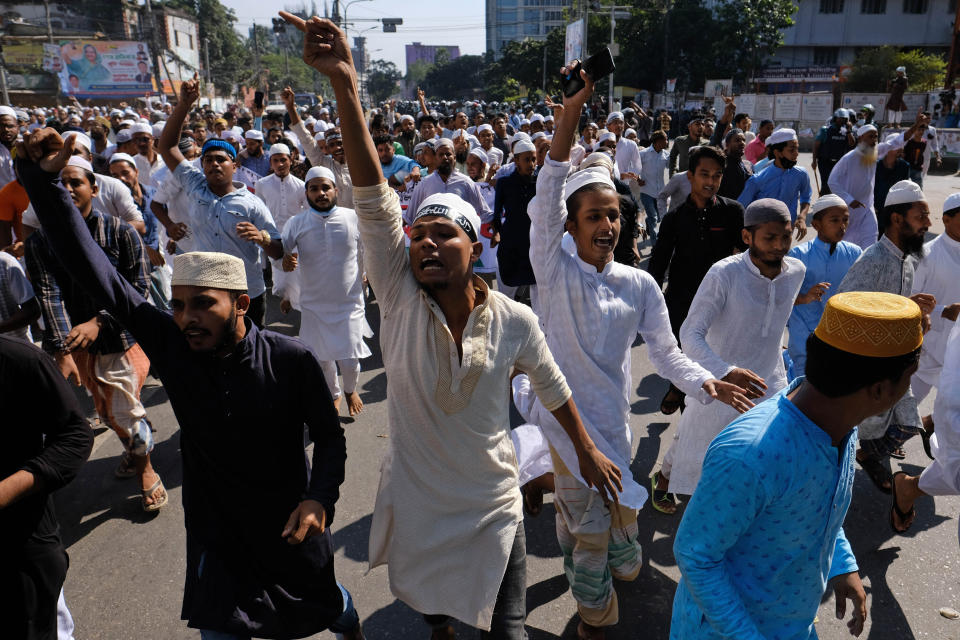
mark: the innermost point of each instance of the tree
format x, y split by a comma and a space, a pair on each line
229, 58
382, 78
749, 32
416, 72
460, 77
873, 67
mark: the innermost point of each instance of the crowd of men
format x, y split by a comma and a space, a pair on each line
503, 252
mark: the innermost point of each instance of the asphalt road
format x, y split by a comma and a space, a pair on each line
126, 574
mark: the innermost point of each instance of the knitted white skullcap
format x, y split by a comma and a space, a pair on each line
210, 270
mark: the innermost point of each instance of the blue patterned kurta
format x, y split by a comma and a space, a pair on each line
763, 532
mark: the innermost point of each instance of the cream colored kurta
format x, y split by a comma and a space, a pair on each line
448, 504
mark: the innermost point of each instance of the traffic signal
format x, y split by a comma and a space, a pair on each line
390, 24
279, 25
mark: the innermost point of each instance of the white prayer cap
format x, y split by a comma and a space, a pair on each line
825, 202
130, 112
230, 134
580, 179
115, 112
7, 111
629, 132
518, 136
484, 127
310, 120
82, 139
141, 127
894, 141
781, 135
158, 128
524, 121
765, 210
537, 136
865, 129
609, 135
210, 270
324, 111
253, 134
548, 119
278, 148
80, 161
536, 118
952, 202
406, 118
902, 69
441, 142
453, 208
614, 115
73, 118
320, 136
319, 172
904, 192
123, 136
522, 147
598, 160
127, 123
126, 157
480, 153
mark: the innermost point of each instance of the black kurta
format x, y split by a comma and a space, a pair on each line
244, 470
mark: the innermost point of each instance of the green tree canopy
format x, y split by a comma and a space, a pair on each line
462, 77
382, 78
874, 67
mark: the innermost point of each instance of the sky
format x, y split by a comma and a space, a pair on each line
425, 21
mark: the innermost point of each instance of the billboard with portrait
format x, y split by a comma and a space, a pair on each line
105, 69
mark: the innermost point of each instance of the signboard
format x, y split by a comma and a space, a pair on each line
797, 74
856, 100
949, 140
747, 103
817, 107
51, 58
915, 102
717, 88
764, 108
787, 106
102, 69
573, 45
28, 54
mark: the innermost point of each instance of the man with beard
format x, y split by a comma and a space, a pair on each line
89, 343
889, 266
680, 152
737, 171
734, 330
265, 569
783, 180
101, 145
408, 135
832, 142
853, 180
446, 179
333, 159
324, 243
9, 130
225, 216
511, 224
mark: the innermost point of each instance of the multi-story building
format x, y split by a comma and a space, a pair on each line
418, 52
831, 32
509, 20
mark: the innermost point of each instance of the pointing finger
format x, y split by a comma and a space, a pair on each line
296, 21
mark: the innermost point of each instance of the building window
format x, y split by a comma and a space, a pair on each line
826, 56
176, 38
831, 6
190, 40
873, 6
914, 6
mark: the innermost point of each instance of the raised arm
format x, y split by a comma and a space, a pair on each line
169, 144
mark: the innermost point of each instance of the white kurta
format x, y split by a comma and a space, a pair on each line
591, 320
938, 274
737, 319
448, 504
330, 258
853, 181
147, 171
942, 477
285, 197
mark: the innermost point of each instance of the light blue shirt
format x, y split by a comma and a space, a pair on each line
398, 163
763, 532
822, 266
786, 185
213, 222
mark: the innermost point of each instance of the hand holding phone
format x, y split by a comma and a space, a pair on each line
597, 66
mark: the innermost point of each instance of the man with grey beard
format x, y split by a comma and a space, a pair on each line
852, 179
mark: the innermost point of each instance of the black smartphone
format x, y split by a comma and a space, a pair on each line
258, 99
597, 66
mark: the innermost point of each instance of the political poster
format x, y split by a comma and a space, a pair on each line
573, 44
105, 69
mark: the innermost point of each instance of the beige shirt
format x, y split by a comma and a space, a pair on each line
448, 505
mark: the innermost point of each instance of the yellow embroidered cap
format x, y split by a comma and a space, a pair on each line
870, 323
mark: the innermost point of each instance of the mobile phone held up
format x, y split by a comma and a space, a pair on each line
597, 66
258, 99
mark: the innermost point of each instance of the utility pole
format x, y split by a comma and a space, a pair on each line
3, 78
152, 43
46, 9
666, 47
256, 56
613, 47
